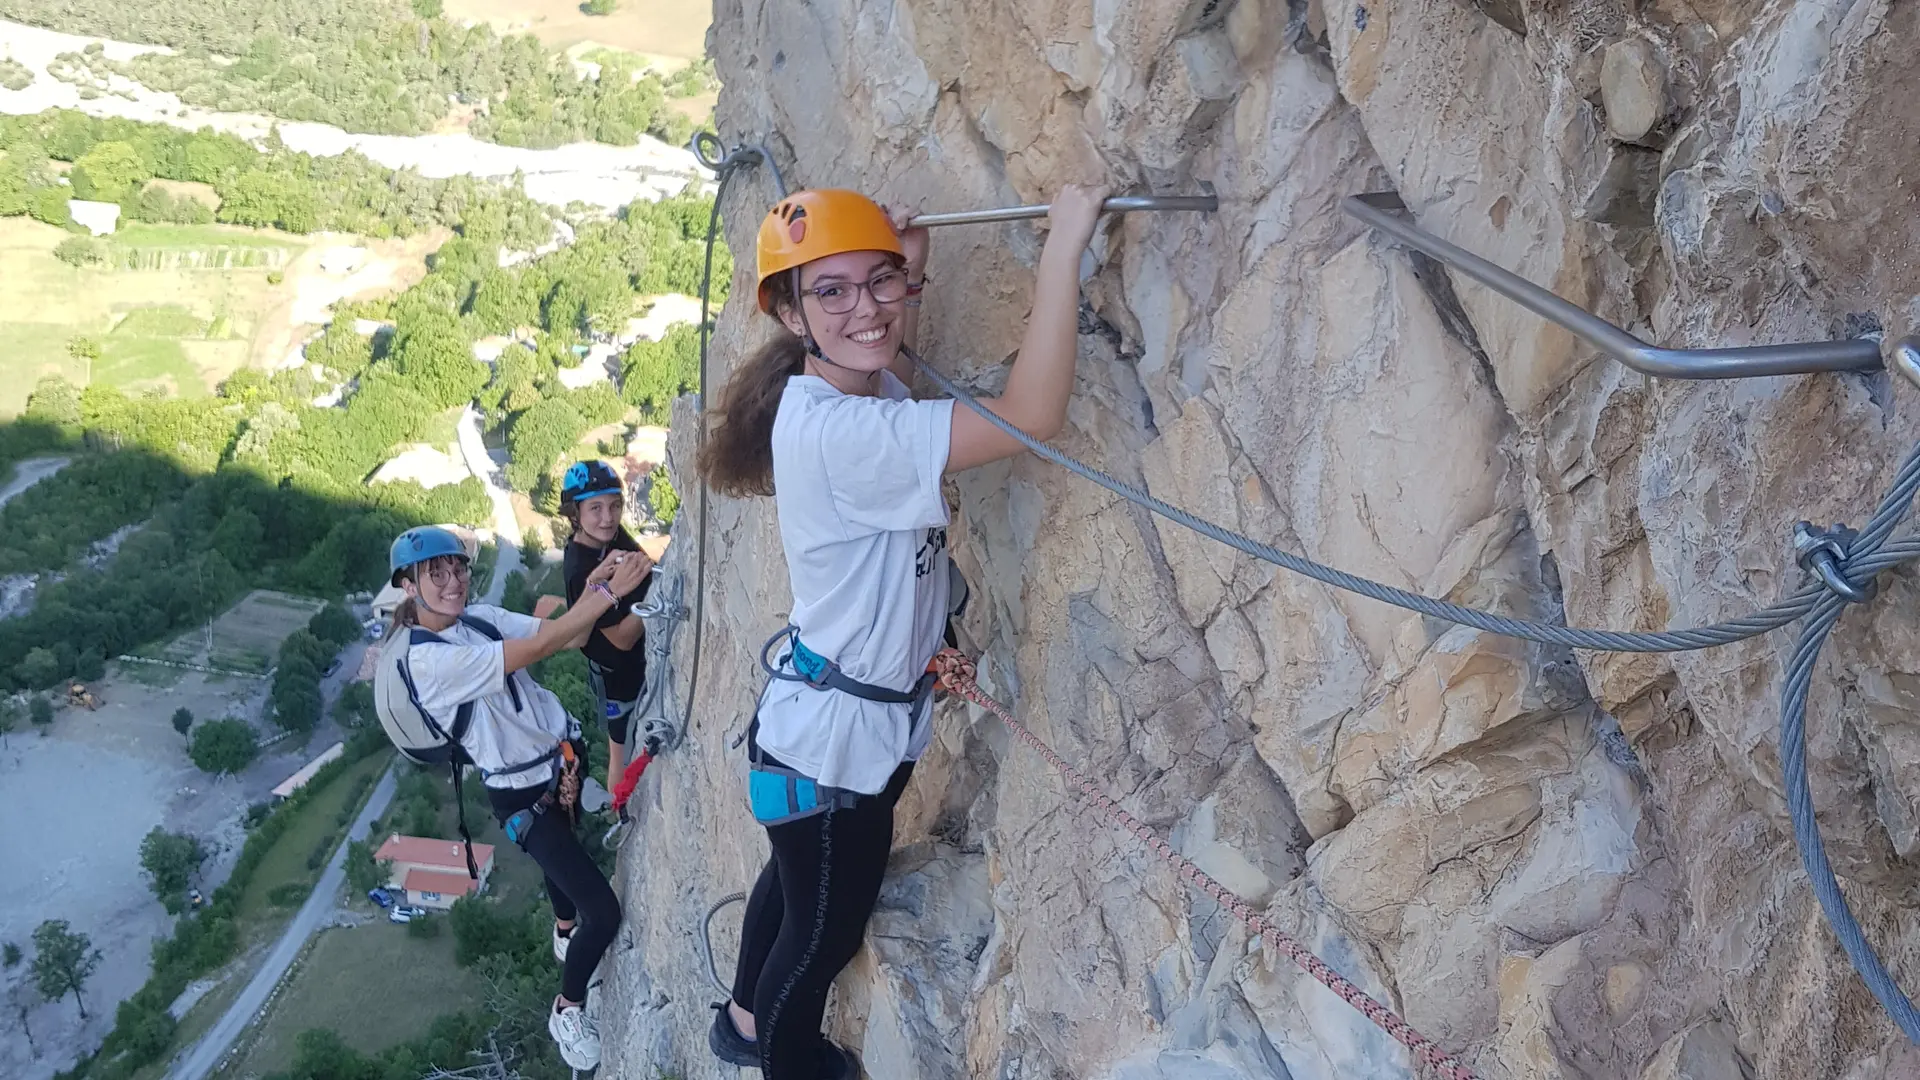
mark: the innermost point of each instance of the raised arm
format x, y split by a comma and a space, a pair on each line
1035, 399
569, 631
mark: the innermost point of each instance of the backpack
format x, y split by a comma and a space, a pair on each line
421, 737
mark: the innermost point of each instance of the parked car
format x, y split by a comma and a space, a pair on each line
381, 897
414, 912
194, 898
399, 915
332, 667
374, 632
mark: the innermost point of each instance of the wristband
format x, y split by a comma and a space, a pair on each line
601, 588
914, 287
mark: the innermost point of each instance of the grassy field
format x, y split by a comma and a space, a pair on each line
664, 28
140, 234
375, 984
286, 861
181, 330
246, 637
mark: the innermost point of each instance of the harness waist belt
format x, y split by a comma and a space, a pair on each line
818, 671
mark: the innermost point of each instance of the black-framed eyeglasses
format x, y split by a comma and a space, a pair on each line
447, 575
840, 297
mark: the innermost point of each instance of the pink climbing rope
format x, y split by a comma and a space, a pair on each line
956, 675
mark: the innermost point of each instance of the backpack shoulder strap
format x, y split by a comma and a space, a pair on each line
492, 633
486, 628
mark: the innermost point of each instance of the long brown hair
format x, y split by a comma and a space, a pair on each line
737, 459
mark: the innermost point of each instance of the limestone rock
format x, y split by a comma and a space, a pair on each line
1557, 863
1705, 1051
1633, 87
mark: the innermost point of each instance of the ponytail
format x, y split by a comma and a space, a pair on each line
737, 459
405, 615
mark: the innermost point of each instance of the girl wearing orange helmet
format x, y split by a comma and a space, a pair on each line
820, 418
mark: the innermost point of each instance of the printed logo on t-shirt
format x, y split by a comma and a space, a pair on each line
936, 542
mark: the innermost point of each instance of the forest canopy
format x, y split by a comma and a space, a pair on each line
363, 65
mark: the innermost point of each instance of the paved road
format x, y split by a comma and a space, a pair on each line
30, 472
506, 531
198, 1062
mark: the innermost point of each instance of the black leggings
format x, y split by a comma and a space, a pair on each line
575, 886
806, 918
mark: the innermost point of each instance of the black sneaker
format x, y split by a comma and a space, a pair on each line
837, 1062
728, 1044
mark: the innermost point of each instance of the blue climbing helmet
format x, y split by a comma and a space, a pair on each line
418, 545
585, 479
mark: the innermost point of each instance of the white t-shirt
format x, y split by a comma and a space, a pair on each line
472, 667
857, 487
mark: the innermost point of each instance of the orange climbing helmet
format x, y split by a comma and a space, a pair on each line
809, 225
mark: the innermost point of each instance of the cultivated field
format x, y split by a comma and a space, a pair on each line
247, 637
675, 29
198, 308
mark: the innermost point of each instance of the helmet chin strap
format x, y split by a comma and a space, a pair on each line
420, 597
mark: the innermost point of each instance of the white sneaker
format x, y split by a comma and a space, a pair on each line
560, 946
574, 1032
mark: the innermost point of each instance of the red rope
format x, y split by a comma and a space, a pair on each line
956, 674
623, 789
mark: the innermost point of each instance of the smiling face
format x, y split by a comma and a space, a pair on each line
599, 517
866, 338
441, 585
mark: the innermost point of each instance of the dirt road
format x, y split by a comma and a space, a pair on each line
28, 473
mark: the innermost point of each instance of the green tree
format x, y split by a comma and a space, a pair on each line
533, 547
224, 746
14, 188
41, 711
334, 625
354, 707
502, 302
40, 667
661, 496
170, 861
364, 872
62, 962
600, 7
49, 204
182, 720
108, 172
12, 958
296, 704
54, 401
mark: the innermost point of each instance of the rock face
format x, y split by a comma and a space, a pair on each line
1557, 864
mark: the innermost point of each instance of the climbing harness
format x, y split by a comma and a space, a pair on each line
823, 674
957, 670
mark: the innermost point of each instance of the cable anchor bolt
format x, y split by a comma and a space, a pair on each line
1820, 553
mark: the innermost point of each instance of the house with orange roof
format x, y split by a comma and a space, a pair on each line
433, 873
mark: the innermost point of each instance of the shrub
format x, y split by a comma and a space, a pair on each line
80, 251
423, 926
292, 894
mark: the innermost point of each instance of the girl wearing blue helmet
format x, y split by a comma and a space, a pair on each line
519, 736
592, 499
